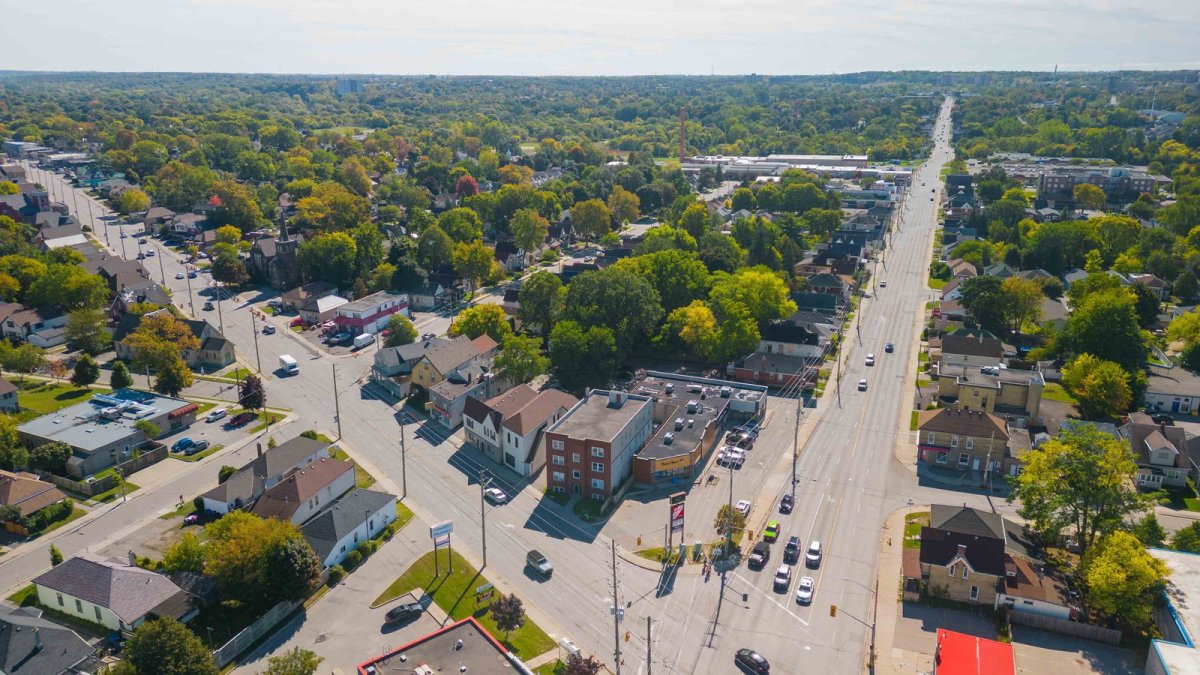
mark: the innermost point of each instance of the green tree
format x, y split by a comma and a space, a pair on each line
259, 561
400, 331
742, 199
24, 358
434, 248
983, 298
583, 358
86, 371
120, 378
159, 340
666, 238
1185, 328
473, 261
1089, 196
186, 554
618, 299
227, 265
164, 645
226, 471
68, 286
739, 335
623, 205
480, 320
295, 662
521, 359
50, 457
695, 220
1101, 387
1022, 301
695, 327
1082, 481
754, 291
133, 200
461, 225
1146, 304
330, 257
331, 207
541, 301
508, 613
529, 229
720, 253
235, 205
56, 556
85, 331
13, 455
252, 395
173, 377
292, 569
578, 664
149, 429
1187, 539
1149, 531
1105, 324
590, 219
728, 521
678, 277
1123, 580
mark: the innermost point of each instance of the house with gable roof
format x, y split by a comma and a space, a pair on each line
1166, 455
508, 428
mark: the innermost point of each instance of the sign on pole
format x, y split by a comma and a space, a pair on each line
677, 518
441, 530
484, 593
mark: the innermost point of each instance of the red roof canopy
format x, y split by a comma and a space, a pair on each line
959, 654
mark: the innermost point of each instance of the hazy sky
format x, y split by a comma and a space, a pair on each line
599, 37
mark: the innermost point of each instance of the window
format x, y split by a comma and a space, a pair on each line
574, 457
60, 600
952, 570
954, 441
597, 484
942, 457
470, 423
598, 467
558, 490
966, 571
98, 617
557, 460
970, 442
556, 444
974, 593
963, 458
931, 438
558, 476
597, 452
597, 497
575, 473
78, 606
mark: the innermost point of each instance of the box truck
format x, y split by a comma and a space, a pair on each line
288, 364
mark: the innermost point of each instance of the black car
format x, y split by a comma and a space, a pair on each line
752, 661
759, 555
1163, 419
889, 348
786, 504
791, 551
405, 612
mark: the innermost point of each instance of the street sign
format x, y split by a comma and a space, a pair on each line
677, 518
484, 593
440, 530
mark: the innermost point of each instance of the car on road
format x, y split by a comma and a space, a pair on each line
182, 444
141, 256
192, 274
812, 557
208, 306
791, 550
405, 612
870, 359
752, 661
772, 531
538, 563
179, 275
495, 496
150, 253
786, 503
804, 590
889, 348
198, 446
1163, 419
862, 384
743, 506
883, 284
428, 336
783, 577
759, 555
241, 419
142, 240
124, 236
216, 415
268, 329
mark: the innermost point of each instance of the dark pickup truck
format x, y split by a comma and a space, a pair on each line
760, 555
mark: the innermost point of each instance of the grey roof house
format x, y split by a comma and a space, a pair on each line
31, 644
262, 473
112, 592
355, 517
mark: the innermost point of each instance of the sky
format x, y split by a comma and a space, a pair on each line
604, 37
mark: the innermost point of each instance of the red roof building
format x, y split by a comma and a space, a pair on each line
960, 654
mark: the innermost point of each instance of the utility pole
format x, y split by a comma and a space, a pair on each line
161, 269
187, 274
403, 459
220, 317
796, 439
648, 620
616, 612
254, 326
484, 481
337, 410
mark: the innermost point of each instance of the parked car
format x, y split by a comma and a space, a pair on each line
748, 659
241, 419
191, 519
182, 444
862, 384
268, 329
804, 591
813, 557
1163, 419
759, 555
198, 446
192, 274
772, 531
405, 612
208, 306
786, 504
783, 577
179, 275
216, 415
743, 505
791, 551
495, 496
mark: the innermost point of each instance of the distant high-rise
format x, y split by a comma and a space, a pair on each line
349, 86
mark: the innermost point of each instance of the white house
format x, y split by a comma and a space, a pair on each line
305, 490
508, 428
1172, 389
113, 593
345, 523
262, 473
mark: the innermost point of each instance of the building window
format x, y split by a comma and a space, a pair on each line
942, 457
974, 593
558, 490
575, 473
60, 600
597, 452
598, 467
99, 618
952, 570
970, 444
558, 476
556, 444
470, 423
931, 438
954, 441
574, 457
966, 571
557, 460
597, 484
963, 458
78, 606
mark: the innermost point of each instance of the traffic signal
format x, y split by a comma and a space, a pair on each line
833, 610
627, 636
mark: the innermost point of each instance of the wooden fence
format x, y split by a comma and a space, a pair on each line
1084, 630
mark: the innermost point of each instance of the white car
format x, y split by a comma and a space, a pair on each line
870, 359
862, 384
804, 591
179, 275
783, 577
743, 506
216, 415
883, 284
495, 496
812, 557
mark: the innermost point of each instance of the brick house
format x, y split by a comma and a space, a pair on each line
965, 439
994, 389
590, 449
369, 314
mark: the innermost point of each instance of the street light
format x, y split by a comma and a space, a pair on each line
874, 611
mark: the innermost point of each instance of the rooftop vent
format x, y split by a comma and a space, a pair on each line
668, 438
678, 423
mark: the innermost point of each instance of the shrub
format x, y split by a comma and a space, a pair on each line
353, 559
336, 574
198, 502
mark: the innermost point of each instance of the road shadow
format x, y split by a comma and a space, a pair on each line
558, 521
1102, 658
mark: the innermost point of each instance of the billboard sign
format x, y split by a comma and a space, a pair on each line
440, 530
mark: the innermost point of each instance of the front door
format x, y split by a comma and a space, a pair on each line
1175, 406
575, 489
975, 464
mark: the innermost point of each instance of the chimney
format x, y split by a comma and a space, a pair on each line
962, 550
132, 559
616, 399
37, 640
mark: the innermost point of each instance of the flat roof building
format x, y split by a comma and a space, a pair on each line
590, 449
1178, 619
462, 647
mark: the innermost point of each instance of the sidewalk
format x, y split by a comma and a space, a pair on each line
888, 606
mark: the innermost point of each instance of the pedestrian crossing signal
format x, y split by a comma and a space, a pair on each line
833, 610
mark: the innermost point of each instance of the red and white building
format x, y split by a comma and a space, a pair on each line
370, 313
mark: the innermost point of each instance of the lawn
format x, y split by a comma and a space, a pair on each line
362, 479
912, 528
454, 593
198, 456
76, 514
936, 284
25, 597
1055, 392
187, 509
1179, 498
912, 420
46, 397
114, 493
553, 668
403, 516
237, 374
267, 419
656, 554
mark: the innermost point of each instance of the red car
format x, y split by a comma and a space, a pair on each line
242, 419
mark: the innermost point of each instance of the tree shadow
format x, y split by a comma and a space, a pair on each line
72, 394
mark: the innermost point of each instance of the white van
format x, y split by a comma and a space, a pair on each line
364, 340
289, 364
